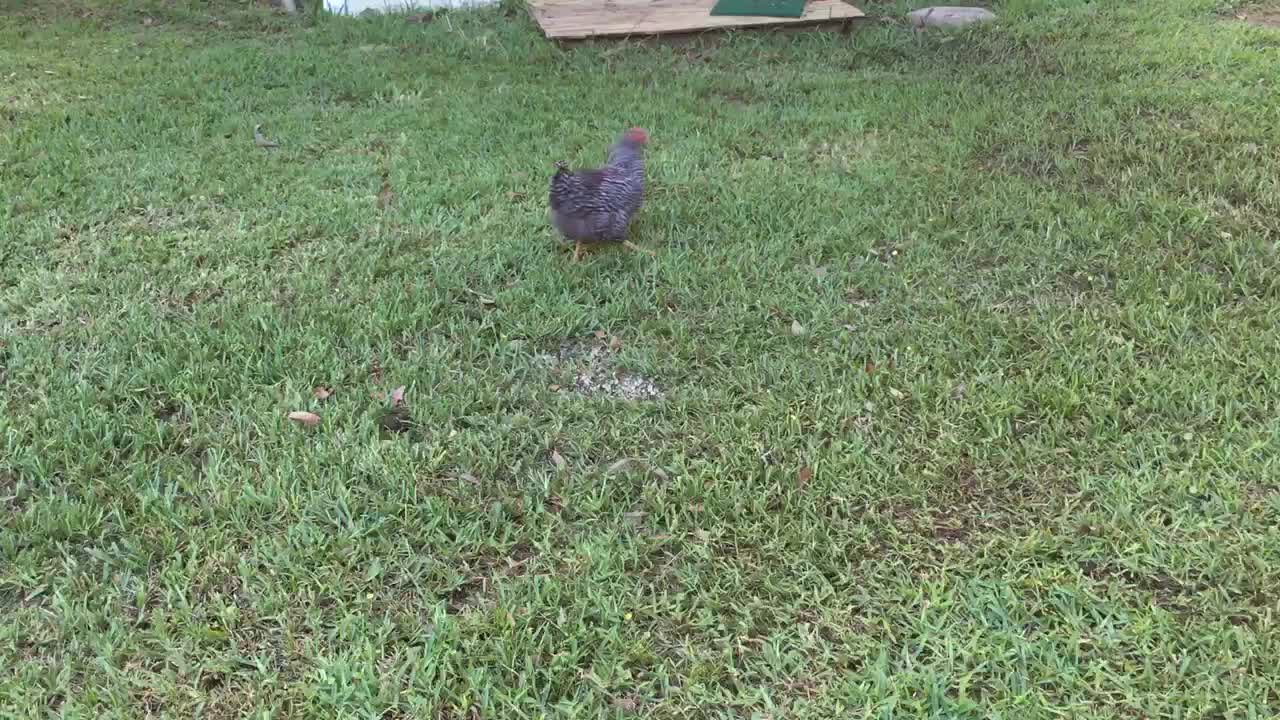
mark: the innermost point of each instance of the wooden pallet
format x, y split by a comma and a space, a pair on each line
582, 19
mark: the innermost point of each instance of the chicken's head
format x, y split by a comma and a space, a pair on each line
636, 136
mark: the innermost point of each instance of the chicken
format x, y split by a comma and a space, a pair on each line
593, 206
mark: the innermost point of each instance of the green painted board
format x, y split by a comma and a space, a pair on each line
760, 8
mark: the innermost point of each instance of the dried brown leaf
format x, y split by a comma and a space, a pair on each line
802, 477
620, 466
626, 704
302, 417
321, 393
558, 460
385, 195
600, 334
615, 344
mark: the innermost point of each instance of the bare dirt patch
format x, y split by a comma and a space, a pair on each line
1267, 17
1166, 591
1043, 163
966, 505
590, 367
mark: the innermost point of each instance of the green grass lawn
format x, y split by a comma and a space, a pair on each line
952, 391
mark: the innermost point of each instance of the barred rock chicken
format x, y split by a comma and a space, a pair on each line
593, 206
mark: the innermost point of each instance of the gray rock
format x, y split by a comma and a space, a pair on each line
950, 17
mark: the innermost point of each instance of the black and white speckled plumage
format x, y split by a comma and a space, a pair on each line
598, 205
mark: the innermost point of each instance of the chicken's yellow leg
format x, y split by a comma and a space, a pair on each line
632, 246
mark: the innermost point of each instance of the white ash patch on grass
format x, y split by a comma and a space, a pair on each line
589, 367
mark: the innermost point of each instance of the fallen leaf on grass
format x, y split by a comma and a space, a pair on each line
615, 344
385, 195
796, 328
622, 465
554, 388
626, 704
261, 140
514, 196
485, 300
802, 477
558, 460
321, 393
635, 464
896, 393
870, 368
302, 417
397, 396
600, 334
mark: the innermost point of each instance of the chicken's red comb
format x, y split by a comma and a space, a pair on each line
637, 135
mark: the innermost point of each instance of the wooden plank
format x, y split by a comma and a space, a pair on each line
581, 19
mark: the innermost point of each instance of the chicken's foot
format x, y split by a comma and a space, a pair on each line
632, 246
